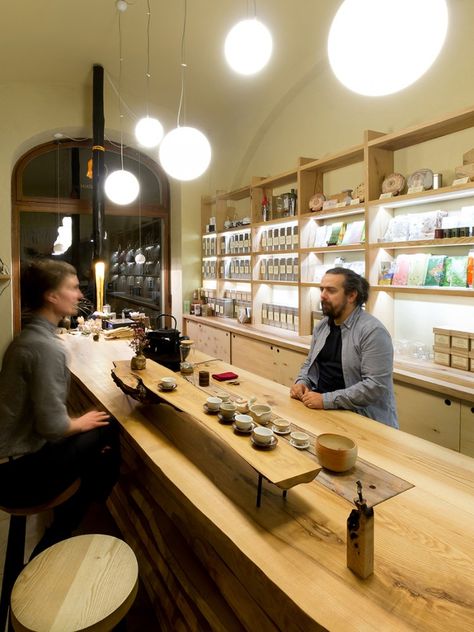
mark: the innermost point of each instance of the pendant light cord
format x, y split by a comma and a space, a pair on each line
183, 63
139, 207
148, 74
120, 87
57, 183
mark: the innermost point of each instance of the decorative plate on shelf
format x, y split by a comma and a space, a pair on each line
394, 183
421, 178
316, 202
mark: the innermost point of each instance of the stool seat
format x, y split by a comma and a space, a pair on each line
50, 504
14, 557
87, 582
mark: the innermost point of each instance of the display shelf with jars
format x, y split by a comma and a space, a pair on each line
275, 198
131, 282
345, 196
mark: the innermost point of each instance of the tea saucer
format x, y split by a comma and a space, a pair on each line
281, 432
209, 411
264, 446
167, 390
301, 446
240, 431
223, 420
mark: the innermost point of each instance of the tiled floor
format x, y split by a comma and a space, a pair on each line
141, 617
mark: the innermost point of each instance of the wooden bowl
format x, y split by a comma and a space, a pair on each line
336, 452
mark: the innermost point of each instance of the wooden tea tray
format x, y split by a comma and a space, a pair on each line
283, 466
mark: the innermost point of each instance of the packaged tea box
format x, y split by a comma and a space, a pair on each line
387, 269
417, 269
435, 270
402, 264
455, 271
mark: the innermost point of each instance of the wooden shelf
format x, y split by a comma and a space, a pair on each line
424, 243
272, 253
421, 289
425, 197
287, 177
238, 194
334, 212
134, 300
233, 280
335, 161
270, 282
272, 222
436, 128
340, 248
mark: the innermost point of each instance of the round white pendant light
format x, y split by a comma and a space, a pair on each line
140, 258
185, 153
149, 131
378, 47
248, 46
121, 187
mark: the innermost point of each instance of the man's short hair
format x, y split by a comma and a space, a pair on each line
353, 282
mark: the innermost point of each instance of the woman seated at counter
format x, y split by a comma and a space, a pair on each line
350, 362
42, 449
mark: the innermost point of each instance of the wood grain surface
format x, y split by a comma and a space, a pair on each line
283, 566
87, 582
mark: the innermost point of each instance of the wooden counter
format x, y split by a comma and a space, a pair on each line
422, 374
211, 560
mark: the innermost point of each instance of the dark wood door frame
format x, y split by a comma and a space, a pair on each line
20, 203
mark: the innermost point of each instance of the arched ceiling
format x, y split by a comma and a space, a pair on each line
58, 41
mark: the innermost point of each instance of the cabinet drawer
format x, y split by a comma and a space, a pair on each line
467, 428
253, 355
290, 364
215, 342
429, 416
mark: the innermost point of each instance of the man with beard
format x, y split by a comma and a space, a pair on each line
350, 362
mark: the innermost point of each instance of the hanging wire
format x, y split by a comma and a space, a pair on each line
148, 74
57, 184
120, 87
139, 207
183, 63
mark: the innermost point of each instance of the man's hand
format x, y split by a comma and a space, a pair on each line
298, 390
312, 400
89, 421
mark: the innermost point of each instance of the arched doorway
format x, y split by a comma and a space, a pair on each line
52, 181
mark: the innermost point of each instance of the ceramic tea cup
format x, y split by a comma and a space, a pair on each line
281, 425
261, 413
168, 383
242, 406
227, 410
336, 452
299, 438
262, 435
243, 422
213, 403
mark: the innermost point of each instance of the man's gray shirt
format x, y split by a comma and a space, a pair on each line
34, 385
367, 367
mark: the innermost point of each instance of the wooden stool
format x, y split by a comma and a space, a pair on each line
14, 557
88, 582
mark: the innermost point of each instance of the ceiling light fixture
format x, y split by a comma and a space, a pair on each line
365, 61
248, 45
185, 152
121, 186
148, 130
64, 239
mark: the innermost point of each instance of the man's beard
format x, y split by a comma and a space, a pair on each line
329, 310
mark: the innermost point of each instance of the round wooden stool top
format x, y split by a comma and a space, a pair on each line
84, 583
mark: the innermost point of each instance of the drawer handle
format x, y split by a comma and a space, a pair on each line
278, 350
447, 402
472, 409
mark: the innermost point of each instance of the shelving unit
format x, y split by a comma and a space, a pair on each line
369, 163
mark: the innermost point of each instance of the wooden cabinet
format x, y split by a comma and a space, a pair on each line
267, 360
215, 342
467, 428
429, 416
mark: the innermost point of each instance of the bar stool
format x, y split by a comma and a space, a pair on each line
88, 582
15, 553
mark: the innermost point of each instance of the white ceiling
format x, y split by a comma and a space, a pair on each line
58, 41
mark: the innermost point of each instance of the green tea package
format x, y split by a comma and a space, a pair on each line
455, 271
435, 270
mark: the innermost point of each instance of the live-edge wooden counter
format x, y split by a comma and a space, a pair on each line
211, 560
